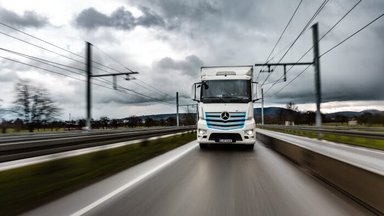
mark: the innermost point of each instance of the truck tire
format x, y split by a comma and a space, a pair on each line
203, 146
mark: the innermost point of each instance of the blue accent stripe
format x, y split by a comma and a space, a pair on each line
236, 120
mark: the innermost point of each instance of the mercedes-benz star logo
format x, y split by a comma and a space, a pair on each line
224, 116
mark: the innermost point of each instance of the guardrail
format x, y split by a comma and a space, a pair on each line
353, 133
364, 186
34, 146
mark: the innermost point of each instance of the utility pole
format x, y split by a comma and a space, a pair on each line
316, 60
262, 106
177, 109
88, 85
89, 75
315, 63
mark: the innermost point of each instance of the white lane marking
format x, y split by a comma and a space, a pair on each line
131, 183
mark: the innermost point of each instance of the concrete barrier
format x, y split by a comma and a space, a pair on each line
364, 186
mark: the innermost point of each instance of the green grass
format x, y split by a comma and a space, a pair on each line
351, 140
24, 188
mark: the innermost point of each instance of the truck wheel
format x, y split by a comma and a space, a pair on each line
203, 146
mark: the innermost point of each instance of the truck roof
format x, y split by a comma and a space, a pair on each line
227, 70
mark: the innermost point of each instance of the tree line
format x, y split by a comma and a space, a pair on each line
36, 111
291, 113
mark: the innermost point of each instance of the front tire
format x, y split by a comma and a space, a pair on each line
203, 146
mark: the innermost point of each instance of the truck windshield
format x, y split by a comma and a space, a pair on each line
226, 91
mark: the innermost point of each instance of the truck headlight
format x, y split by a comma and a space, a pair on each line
202, 132
249, 132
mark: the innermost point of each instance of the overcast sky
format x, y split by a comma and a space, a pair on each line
168, 41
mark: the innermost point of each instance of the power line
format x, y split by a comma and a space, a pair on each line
291, 81
40, 59
43, 60
136, 79
113, 59
47, 61
55, 72
329, 30
143, 95
353, 34
282, 33
40, 68
301, 33
40, 47
156, 89
347, 38
16, 38
23, 32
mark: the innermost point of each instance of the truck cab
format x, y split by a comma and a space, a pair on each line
225, 97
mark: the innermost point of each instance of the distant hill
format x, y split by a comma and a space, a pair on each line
274, 112
269, 112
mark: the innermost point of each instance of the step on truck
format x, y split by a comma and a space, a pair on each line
225, 98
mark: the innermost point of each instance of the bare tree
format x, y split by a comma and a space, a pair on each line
292, 106
34, 104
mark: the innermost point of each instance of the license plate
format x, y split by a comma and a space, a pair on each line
225, 140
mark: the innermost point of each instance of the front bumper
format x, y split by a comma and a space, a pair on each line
213, 136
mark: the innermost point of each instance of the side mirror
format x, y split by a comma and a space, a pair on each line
256, 91
195, 93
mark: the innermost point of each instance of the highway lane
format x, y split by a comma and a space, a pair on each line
220, 181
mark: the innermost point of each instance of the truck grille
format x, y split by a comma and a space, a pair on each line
214, 120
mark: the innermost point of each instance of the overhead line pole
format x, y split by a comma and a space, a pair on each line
316, 60
315, 63
262, 107
177, 109
88, 85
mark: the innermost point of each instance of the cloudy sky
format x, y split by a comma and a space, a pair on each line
168, 41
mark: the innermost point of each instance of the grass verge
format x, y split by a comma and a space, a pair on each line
24, 188
351, 140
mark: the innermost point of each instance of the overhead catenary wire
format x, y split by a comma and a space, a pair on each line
41, 68
40, 59
126, 90
291, 81
40, 47
325, 34
149, 88
281, 35
54, 64
113, 59
300, 34
39, 39
50, 63
51, 44
332, 48
351, 35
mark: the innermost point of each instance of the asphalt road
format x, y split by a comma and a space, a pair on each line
224, 181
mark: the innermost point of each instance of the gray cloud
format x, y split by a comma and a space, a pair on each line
190, 66
120, 18
226, 33
28, 19
149, 18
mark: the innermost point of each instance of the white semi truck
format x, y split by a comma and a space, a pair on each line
225, 97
